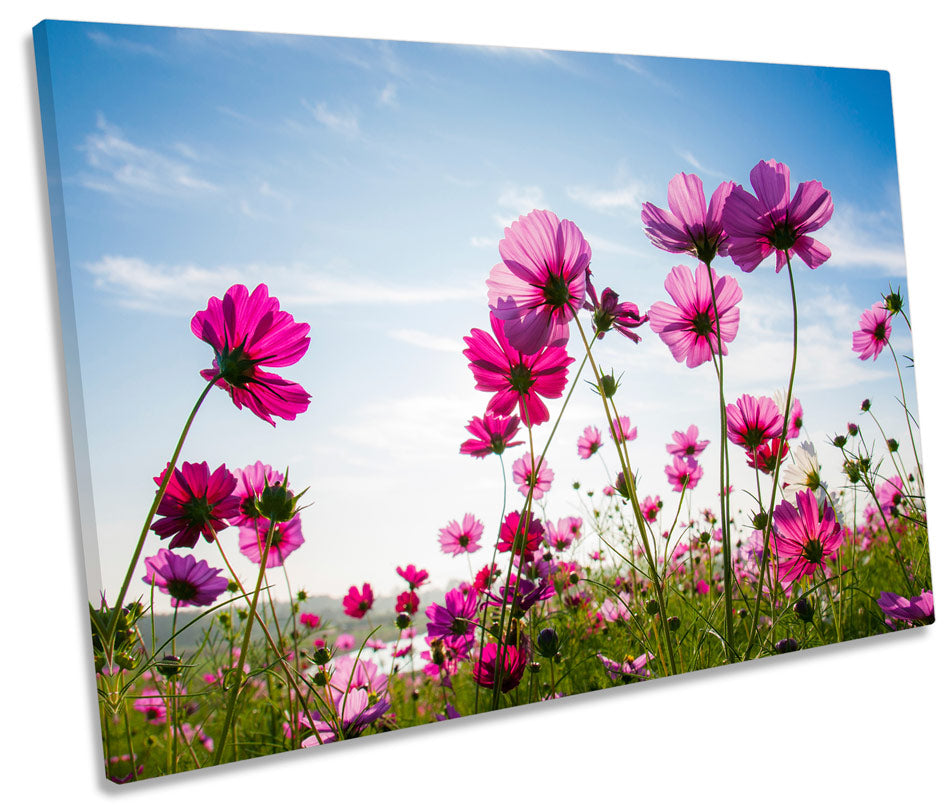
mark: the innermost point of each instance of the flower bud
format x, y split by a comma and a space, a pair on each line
865, 405
893, 302
609, 385
673, 623
839, 441
804, 610
547, 642
321, 656
403, 620
760, 520
169, 665
892, 445
653, 607
786, 645
534, 667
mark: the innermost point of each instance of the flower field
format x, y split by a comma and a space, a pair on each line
829, 544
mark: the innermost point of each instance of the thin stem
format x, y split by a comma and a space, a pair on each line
910, 431
117, 607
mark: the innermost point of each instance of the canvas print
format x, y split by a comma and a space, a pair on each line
412, 381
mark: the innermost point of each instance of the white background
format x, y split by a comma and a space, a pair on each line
862, 725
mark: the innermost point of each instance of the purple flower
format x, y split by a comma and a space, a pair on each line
187, 581
455, 622
920, 608
688, 227
759, 225
632, 669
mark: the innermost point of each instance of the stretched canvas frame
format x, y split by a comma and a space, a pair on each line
127, 174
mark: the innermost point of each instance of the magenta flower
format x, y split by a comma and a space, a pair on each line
889, 493
689, 326
687, 443
517, 379
509, 671
621, 428
650, 507
528, 479
455, 622
920, 608
407, 602
287, 537
356, 603
493, 435
345, 642
750, 421
609, 313
415, 578
767, 456
461, 538
684, 472
688, 227
873, 333
247, 332
804, 537
759, 225
310, 620
589, 443
360, 696
195, 502
796, 415
187, 581
540, 284
521, 534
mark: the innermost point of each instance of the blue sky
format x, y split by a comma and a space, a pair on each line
368, 183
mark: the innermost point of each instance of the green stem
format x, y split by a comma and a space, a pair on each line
910, 431
117, 607
766, 536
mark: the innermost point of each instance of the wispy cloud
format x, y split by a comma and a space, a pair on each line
635, 65
118, 166
623, 199
518, 200
483, 242
418, 338
137, 284
387, 96
559, 59
865, 240
124, 45
694, 162
345, 123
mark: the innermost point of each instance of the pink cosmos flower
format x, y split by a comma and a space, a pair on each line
485, 578
804, 537
609, 313
521, 534
357, 602
509, 671
187, 581
360, 697
758, 225
251, 481
889, 493
195, 502
688, 227
493, 435
920, 608
562, 535
415, 578
516, 379
247, 332
689, 326
345, 642
873, 333
796, 416
310, 620
650, 507
687, 444
153, 708
540, 284
407, 602
589, 443
287, 537
632, 669
621, 428
526, 478
750, 421
685, 472
461, 538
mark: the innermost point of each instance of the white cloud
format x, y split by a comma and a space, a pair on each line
418, 338
693, 161
344, 123
620, 200
483, 242
635, 65
518, 200
118, 166
137, 284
